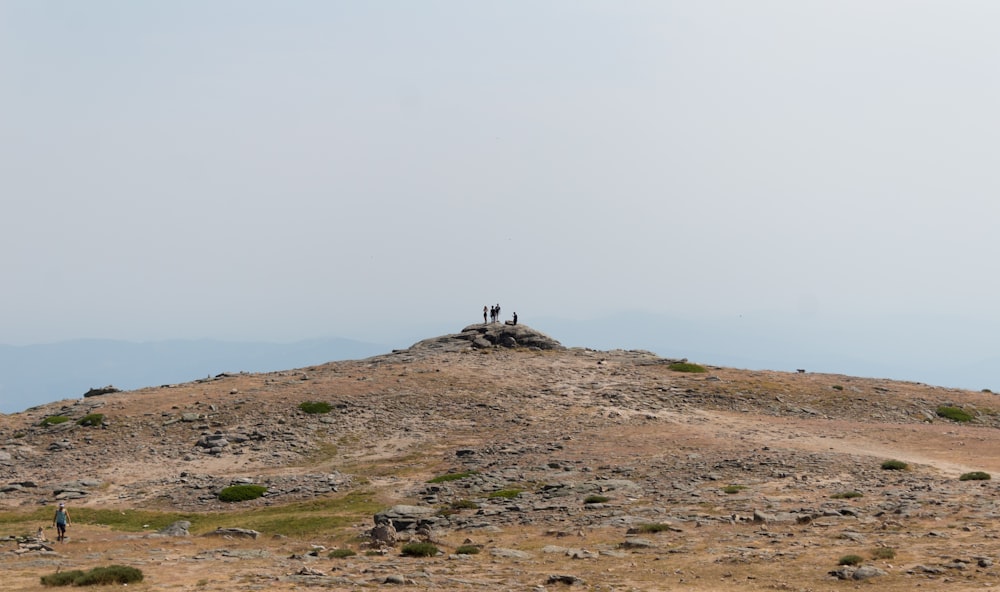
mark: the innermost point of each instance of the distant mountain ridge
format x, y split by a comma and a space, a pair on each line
34, 374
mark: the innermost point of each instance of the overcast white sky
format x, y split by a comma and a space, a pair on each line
288, 170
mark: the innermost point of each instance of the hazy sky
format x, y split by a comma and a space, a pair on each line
288, 170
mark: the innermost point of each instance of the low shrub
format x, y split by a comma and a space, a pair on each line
505, 493
53, 420
464, 504
419, 550
451, 477
883, 553
99, 576
686, 367
850, 560
733, 489
315, 407
837, 387
894, 465
92, 419
341, 553
241, 493
596, 499
61, 578
954, 413
652, 528
975, 476
467, 550
847, 495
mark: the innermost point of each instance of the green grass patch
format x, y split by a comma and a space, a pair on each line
894, 465
92, 419
419, 550
596, 499
451, 477
341, 553
686, 367
954, 413
847, 495
53, 420
99, 576
850, 560
883, 553
974, 476
467, 550
241, 493
730, 489
315, 407
505, 493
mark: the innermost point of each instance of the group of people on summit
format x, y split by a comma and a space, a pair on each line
494, 313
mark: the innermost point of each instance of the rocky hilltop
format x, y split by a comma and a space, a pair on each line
600, 470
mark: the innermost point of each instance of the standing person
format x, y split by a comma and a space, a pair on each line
484, 314
515, 318
60, 521
498, 311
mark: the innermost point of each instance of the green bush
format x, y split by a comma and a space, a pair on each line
419, 550
241, 493
112, 574
652, 528
341, 553
464, 504
837, 387
54, 420
93, 419
467, 550
315, 407
61, 578
686, 367
505, 493
451, 477
850, 560
883, 553
733, 488
975, 476
954, 413
846, 495
894, 465
596, 499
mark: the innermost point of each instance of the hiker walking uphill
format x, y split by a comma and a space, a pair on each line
60, 521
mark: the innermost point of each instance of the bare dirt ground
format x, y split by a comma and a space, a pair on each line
751, 479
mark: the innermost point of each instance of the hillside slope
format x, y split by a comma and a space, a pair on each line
743, 472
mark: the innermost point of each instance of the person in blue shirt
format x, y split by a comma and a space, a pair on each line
61, 520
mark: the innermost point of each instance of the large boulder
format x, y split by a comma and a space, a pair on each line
485, 335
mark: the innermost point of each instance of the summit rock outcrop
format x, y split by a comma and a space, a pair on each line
486, 335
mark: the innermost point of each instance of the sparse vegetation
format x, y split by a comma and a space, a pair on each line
419, 550
686, 367
92, 419
894, 465
53, 420
596, 499
733, 488
883, 553
467, 550
846, 495
954, 413
851, 560
837, 387
315, 407
652, 528
451, 477
505, 493
112, 574
975, 476
464, 504
342, 553
241, 493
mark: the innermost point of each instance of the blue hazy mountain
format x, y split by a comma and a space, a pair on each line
34, 374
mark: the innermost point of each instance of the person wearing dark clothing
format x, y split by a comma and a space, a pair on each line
515, 318
484, 314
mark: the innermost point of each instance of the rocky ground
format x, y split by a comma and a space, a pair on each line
624, 474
